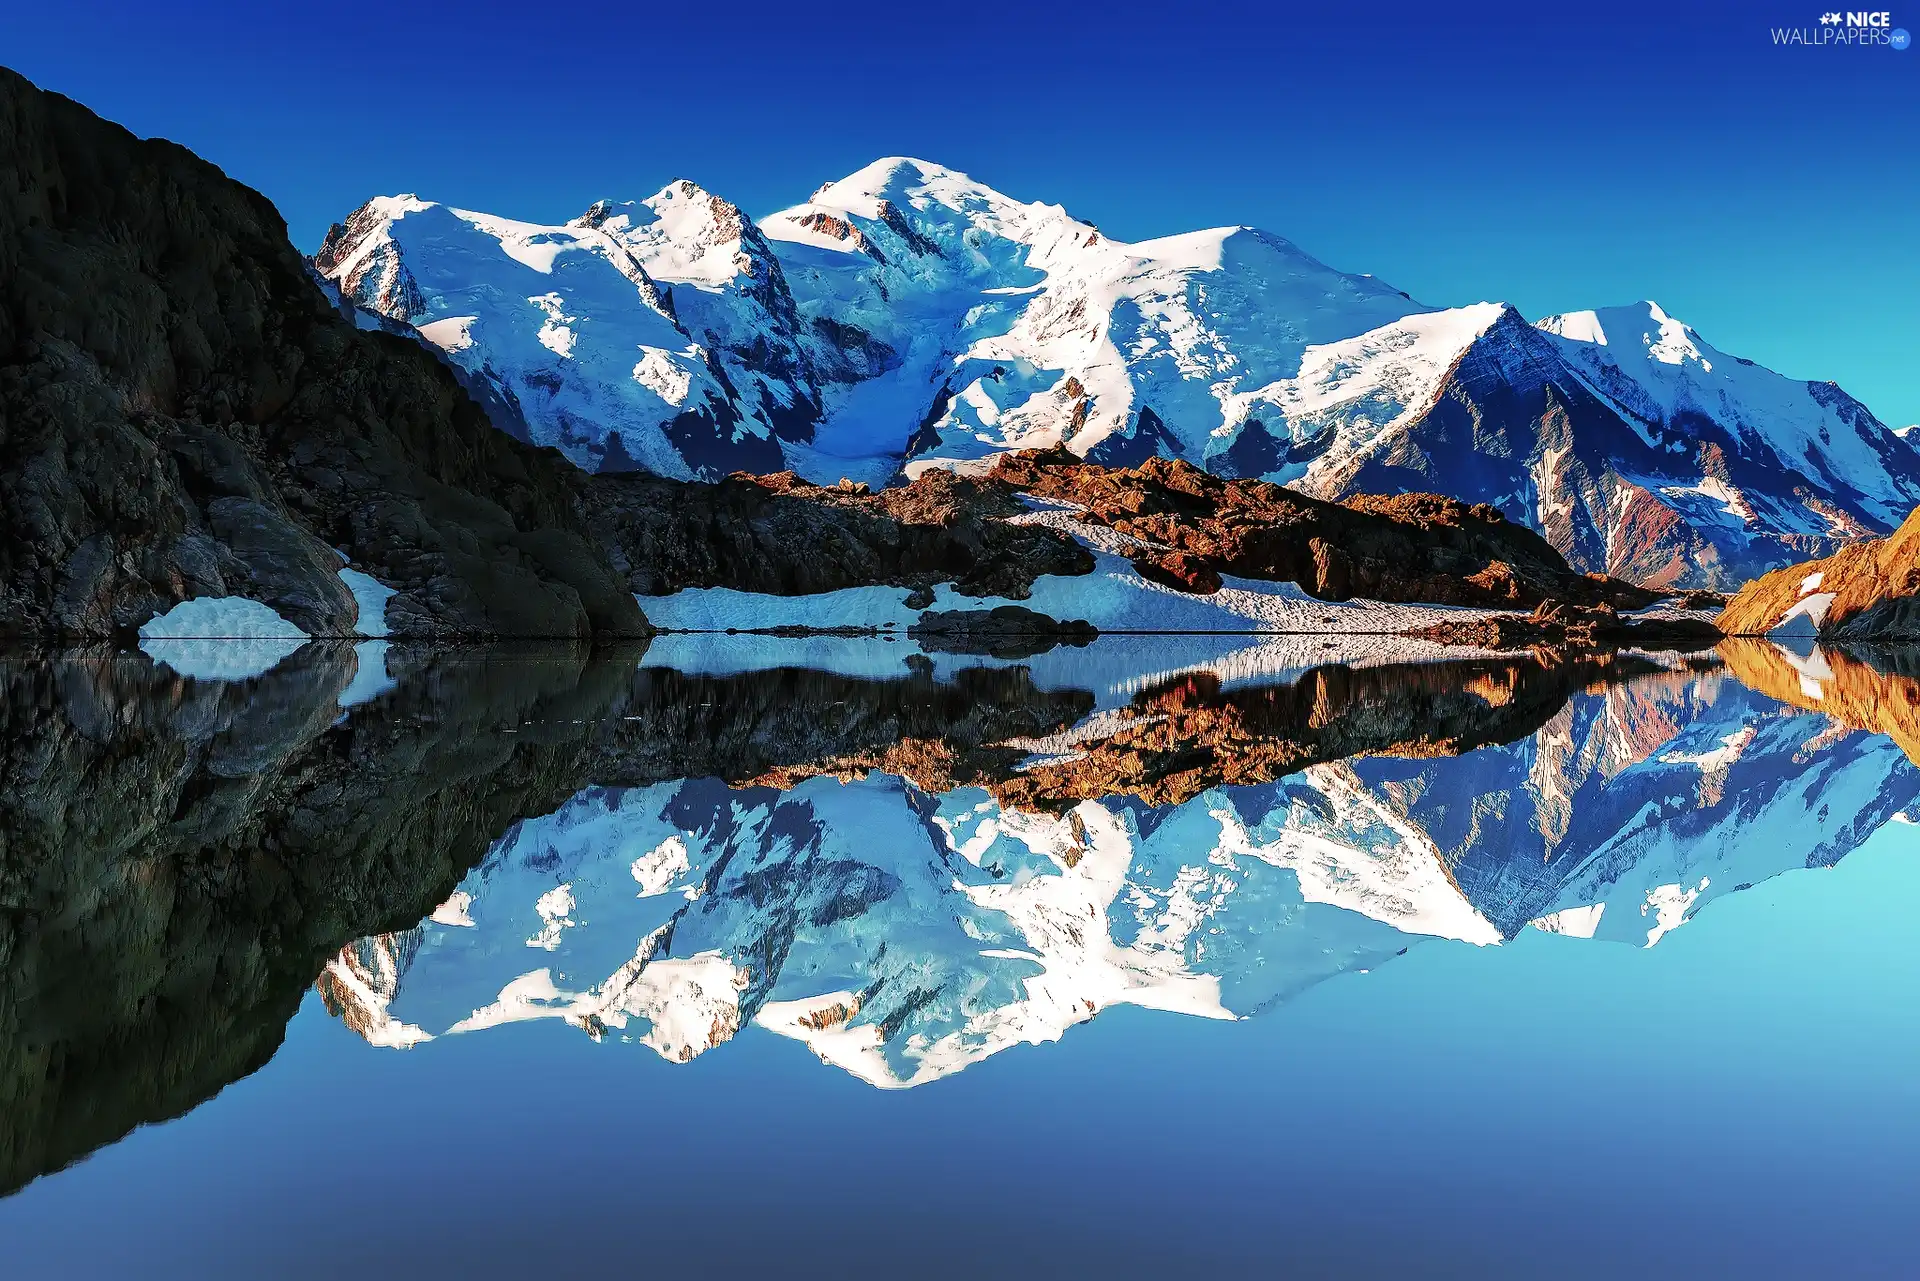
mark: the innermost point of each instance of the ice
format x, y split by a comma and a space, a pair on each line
220, 638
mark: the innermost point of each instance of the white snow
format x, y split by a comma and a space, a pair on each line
1657, 368
371, 595
1804, 617
1113, 597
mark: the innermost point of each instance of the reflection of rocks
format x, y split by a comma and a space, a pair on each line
904, 929
180, 859
906, 874
1869, 689
1183, 737
1556, 625
1009, 631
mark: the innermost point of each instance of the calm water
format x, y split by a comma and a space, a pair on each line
1180, 956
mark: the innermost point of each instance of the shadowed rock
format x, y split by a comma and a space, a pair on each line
186, 415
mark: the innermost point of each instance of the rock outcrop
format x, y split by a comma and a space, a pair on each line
1868, 591
1195, 526
1007, 631
781, 535
183, 414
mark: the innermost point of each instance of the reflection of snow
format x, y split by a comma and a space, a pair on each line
657, 869
554, 907
904, 935
1804, 618
220, 638
1670, 905
1574, 922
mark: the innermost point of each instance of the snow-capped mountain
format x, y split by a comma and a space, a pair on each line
908, 316
903, 935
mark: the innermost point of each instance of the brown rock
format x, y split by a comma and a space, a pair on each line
1407, 547
1875, 589
1181, 571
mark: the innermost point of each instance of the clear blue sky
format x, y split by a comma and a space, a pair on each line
1555, 156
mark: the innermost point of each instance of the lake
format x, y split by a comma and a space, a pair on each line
828, 956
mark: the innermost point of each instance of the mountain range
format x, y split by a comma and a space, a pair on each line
907, 317
904, 932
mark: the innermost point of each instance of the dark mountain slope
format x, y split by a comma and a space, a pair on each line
182, 414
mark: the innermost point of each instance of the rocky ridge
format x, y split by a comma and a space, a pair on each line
1868, 591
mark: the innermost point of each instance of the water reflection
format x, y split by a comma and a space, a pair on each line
908, 866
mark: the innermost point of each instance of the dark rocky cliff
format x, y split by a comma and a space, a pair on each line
183, 414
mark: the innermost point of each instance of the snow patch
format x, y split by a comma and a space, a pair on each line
220, 638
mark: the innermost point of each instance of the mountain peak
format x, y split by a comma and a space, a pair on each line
902, 182
891, 173
1644, 324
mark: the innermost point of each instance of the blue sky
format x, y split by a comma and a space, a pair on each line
1554, 156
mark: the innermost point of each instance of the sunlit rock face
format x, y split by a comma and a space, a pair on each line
904, 929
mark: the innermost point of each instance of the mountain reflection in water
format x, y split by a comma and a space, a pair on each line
908, 866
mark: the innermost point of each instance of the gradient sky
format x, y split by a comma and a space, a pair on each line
1554, 156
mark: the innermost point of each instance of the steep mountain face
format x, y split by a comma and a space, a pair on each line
1643, 456
655, 336
908, 317
183, 415
903, 929
1869, 591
